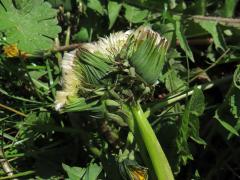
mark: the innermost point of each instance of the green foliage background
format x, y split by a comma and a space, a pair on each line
198, 128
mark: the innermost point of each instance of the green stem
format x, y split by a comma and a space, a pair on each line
134, 130
13, 110
179, 96
159, 161
18, 175
68, 33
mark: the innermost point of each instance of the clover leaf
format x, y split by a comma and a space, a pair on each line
30, 24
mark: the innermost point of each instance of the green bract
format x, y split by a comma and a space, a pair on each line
149, 54
32, 25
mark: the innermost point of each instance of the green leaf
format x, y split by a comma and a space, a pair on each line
77, 173
226, 125
113, 12
32, 27
82, 35
92, 172
74, 173
65, 3
194, 108
228, 114
173, 82
135, 15
194, 130
212, 28
96, 6
196, 104
182, 39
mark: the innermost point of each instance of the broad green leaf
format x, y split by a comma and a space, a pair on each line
32, 27
96, 6
82, 35
77, 173
74, 173
135, 15
196, 104
182, 39
173, 82
113, 12
212, 28
37, 74
92, 172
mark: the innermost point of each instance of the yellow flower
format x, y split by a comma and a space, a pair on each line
11, 50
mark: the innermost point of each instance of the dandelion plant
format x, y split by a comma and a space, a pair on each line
121, 71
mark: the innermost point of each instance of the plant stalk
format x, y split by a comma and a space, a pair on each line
179, 96
159, 161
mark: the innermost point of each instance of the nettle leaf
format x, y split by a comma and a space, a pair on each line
212, 28
196, 104
32, 26
194, 131
182, 39
196, 107
228, 114
135, 15
173, 82
113, 12
189, 125
96, 6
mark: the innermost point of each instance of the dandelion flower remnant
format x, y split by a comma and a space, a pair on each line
111, 78
89, 67
103, 51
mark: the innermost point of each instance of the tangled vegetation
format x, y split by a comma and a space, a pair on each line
94, 89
